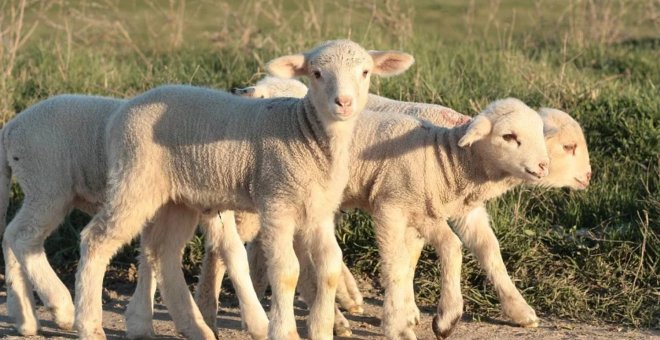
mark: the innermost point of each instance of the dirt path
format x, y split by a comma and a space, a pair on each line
364, 327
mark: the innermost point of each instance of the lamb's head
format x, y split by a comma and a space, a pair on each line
567, 148
508, 136
272, 87
339, 73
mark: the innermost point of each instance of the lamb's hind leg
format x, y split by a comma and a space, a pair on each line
140, 310
477, 235
348, 293
258, 268
20, 301
163, 246
24, 239
213, 270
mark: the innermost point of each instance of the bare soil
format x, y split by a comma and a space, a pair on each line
364, 326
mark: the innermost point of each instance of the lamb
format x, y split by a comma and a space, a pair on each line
569, 167
56, 151
229, 153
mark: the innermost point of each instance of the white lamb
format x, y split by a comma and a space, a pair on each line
569, 167
188, 150
56, 152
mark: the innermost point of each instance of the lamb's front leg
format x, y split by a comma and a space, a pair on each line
477, 235
278, 228
235, 257
307, 287
326, 258
448, 248
391, 223
414, 244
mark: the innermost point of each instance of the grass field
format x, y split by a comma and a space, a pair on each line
592, 255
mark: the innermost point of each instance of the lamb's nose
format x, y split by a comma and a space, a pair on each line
344, 101
543, 165
589, 176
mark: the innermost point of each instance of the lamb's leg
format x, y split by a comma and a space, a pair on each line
20, 301
475, 231
307, 288
258, 268
448, 248
278, 227
326, 258
163, 246
121, 219
213, 270
25, 235
348, 293
140, 310
391, 223
234, 256
414, 245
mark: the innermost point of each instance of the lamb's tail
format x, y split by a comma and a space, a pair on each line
5, 181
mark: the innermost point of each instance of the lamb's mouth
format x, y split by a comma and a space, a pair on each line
534, 174
583, 185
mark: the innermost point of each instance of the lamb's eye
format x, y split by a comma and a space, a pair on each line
365, 73
511, 137
570, 148
317, 74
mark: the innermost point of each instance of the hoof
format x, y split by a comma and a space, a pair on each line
415, 315
522, 314
443, 332
143, 331
356, 310
531, 324
27, 330
96, 334
64, 321
343, 332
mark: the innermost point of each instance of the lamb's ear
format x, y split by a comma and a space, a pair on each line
549, 131
479, 128
391, 63
287, 67
244, 92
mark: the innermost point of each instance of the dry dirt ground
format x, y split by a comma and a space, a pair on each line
364, 326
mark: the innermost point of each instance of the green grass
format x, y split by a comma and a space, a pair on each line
591, 255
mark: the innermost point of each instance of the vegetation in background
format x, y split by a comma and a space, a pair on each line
590, 255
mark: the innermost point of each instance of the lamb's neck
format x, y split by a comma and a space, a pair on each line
454, 172
334, 138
